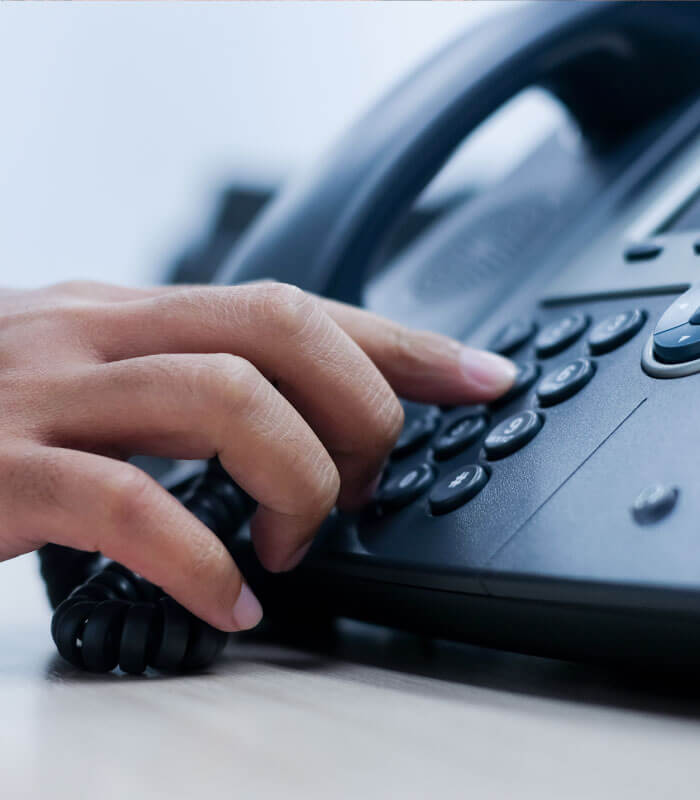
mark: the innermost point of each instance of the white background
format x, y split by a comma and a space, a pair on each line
121, 121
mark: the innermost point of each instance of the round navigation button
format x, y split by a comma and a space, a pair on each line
564, 382
512, 336
457, 488
512, 434
678, 344
615, 330
560, 334
680, 311
459, 435
406, 486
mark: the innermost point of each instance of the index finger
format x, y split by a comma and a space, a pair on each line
421, 365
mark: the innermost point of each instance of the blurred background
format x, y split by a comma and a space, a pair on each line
128, 128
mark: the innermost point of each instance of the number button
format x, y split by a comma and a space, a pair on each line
457, 488
512, 336
401, 489
416, 432
512, 434
614, 331
560, 334
459, 436
564, 382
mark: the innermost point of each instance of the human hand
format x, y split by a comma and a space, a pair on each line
295, 395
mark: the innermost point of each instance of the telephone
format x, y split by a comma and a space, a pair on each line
564, 519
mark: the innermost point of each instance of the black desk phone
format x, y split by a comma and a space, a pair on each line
565, 519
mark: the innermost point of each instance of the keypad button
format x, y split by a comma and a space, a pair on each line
405, 486
512, 336
564, 382
560, 334
654, 503
526, 376
615, 330
416, 432
457, 488
642, 251
512, 434
459, 435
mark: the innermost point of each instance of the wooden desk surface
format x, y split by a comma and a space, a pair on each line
378, 714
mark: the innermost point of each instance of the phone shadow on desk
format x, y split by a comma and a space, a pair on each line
454, 670
350, 650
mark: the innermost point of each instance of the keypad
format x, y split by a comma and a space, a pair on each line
459, 435
512, 336
428, 442
565, 381
405, 486
560, 334
512, 434
457, 488
615, 330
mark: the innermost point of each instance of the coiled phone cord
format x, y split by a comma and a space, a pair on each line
111, 617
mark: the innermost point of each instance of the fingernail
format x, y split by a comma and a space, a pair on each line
491, 372
247, 611
297, 556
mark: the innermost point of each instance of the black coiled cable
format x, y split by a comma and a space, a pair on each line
115, 618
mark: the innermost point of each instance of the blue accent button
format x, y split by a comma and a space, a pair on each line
678, 344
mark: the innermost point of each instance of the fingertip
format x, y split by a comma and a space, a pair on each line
280, 541
247, 611
487, 374
355, 500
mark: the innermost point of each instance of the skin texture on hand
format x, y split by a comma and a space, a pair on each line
296, 395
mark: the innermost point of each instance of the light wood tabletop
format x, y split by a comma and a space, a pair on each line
372, 713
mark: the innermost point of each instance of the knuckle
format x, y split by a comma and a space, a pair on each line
125, 496
233, 381
72, 320
74, 288
34, 477
289, 308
